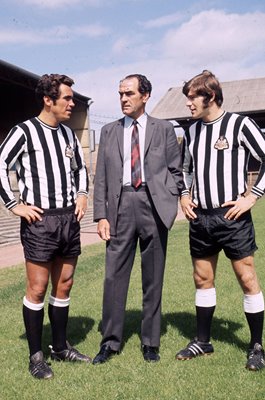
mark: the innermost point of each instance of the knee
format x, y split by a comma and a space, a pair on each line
203, 281
249, 282
36, 292
68, 285
63, 289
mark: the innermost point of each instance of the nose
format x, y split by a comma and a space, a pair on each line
123, 97
72, 104
188, 103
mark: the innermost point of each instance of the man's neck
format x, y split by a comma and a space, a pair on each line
213, 114
48, 119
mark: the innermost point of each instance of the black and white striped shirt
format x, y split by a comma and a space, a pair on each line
215, 159
48, 175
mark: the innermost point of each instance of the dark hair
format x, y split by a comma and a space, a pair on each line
144, 84
48, 85
205, 84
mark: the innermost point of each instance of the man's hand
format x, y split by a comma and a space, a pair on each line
80, 206
187, 207
103, 229
31, 213
239, 206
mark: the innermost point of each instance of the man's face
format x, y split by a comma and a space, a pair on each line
62, 109
196, 105
132, 101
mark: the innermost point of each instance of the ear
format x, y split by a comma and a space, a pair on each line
146, 97
47, 101
212, 99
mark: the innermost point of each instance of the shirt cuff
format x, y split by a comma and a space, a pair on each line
82, 193
11, 204
257, 192
185, 192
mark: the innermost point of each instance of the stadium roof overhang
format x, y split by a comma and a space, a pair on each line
18, 98
246, 97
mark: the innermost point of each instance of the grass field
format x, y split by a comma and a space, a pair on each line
127, 376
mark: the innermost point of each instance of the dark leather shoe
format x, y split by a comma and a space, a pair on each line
105, 353
69, 354
150, 353
38, 367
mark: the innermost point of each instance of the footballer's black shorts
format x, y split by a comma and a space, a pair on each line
58, 234
210, 233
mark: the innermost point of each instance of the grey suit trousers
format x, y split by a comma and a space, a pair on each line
137, 220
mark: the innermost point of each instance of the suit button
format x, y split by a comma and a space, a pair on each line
117, 195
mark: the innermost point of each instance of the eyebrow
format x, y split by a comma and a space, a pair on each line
127, 92
192, 96
68, 97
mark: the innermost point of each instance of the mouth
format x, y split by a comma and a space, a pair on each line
126, 110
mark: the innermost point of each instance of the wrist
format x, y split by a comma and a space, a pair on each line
253, 197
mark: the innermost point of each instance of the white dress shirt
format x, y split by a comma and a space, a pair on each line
128, 127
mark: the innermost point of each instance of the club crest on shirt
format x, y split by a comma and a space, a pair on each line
69, 151
221, 143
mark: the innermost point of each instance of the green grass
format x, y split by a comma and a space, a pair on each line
128, 377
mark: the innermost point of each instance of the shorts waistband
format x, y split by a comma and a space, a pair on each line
141, 188
58, 211
211, 211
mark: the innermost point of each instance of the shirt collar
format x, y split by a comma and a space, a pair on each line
141, 120
215, 120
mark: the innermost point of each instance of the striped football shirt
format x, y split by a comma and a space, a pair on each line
49, 165
216, 156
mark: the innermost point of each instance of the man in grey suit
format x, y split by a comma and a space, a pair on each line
137, 184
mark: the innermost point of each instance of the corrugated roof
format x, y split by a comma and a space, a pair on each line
239, 96
13, 73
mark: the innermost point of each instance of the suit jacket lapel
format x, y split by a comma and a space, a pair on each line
120, 136
150, 128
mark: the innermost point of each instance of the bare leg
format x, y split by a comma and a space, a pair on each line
204, 276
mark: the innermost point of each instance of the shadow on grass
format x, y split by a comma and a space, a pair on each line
77, 330
224, 331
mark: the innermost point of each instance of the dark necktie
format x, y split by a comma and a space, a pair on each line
135, 157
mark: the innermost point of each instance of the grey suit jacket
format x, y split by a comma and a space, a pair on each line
162, 164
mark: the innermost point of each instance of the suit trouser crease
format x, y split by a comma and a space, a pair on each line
137, 219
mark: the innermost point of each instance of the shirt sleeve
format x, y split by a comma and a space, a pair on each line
80, 174
10, 151
254, 139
